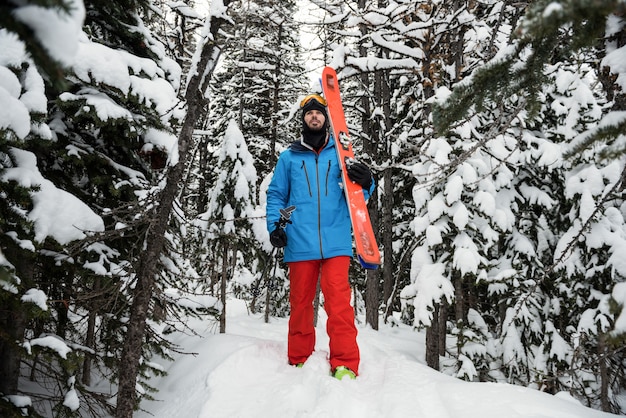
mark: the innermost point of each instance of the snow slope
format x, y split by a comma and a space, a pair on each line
244, 373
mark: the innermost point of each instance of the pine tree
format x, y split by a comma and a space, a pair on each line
116, 111
262, 78
518, 70
377, 96
539, 304
232, 225
33, 244
258, 86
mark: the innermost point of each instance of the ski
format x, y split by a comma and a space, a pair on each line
365, 240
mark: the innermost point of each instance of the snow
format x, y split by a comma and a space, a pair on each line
14, 115
97, 63
429, 286
71, 400
466, 257
36, 296
71, 397
616, 61
55, 213
163, 140
244, 373
20, 401
619, 294
51, 342
54, 28
552, 8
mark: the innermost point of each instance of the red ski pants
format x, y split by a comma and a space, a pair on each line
333, 274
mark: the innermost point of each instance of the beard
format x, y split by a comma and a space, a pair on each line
316, 138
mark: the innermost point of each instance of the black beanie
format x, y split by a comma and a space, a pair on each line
313, 104
316, 139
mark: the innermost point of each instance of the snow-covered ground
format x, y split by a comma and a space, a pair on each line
244, 373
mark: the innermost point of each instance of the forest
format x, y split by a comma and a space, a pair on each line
138, 138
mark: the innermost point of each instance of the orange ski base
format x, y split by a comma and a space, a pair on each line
364, 238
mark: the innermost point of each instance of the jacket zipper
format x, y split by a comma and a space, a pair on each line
306, 174
319, 206
327, 175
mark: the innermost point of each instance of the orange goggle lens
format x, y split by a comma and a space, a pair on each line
316, 97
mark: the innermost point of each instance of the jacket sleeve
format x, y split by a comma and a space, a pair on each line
277, 192
368, 192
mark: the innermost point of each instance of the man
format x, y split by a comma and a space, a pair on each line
318, 240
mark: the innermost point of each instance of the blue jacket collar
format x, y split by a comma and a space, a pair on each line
300, 146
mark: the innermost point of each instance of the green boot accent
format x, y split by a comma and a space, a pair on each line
343, 371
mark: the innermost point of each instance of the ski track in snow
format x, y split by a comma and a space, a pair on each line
245, 374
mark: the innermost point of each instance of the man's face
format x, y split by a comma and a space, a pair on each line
314, 119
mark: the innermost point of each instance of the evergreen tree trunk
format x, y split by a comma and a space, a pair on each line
432, 341
13, 321
268, 297
382, 94
372, 284
387, 241
604, 373
223, 286
146, 272
316, 302
90, 338
203, 168
146, 277
381, 153
436, 335
276, 102
459, 299
443, 319
372, 297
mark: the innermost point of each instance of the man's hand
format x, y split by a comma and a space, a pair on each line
278, 237
360, 174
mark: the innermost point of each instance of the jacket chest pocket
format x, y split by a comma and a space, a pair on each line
312, 178
303, 178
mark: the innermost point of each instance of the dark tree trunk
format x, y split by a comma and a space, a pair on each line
13, 321
372, 298
203, 165
90, 338
276, 101
459, 300
387, 240
443, 319
223, 286
604, 373
149, 260
90, 341
432, 341
316, 302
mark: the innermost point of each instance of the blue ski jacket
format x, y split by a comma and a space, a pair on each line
321, 226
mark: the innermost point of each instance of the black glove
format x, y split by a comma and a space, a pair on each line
278, 237
360, 174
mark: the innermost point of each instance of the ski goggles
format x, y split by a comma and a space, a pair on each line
315, 97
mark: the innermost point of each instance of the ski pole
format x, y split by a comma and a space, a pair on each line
270, 288
285, 218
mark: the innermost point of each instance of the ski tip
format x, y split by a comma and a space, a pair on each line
330, 76
330, 81
364, 264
